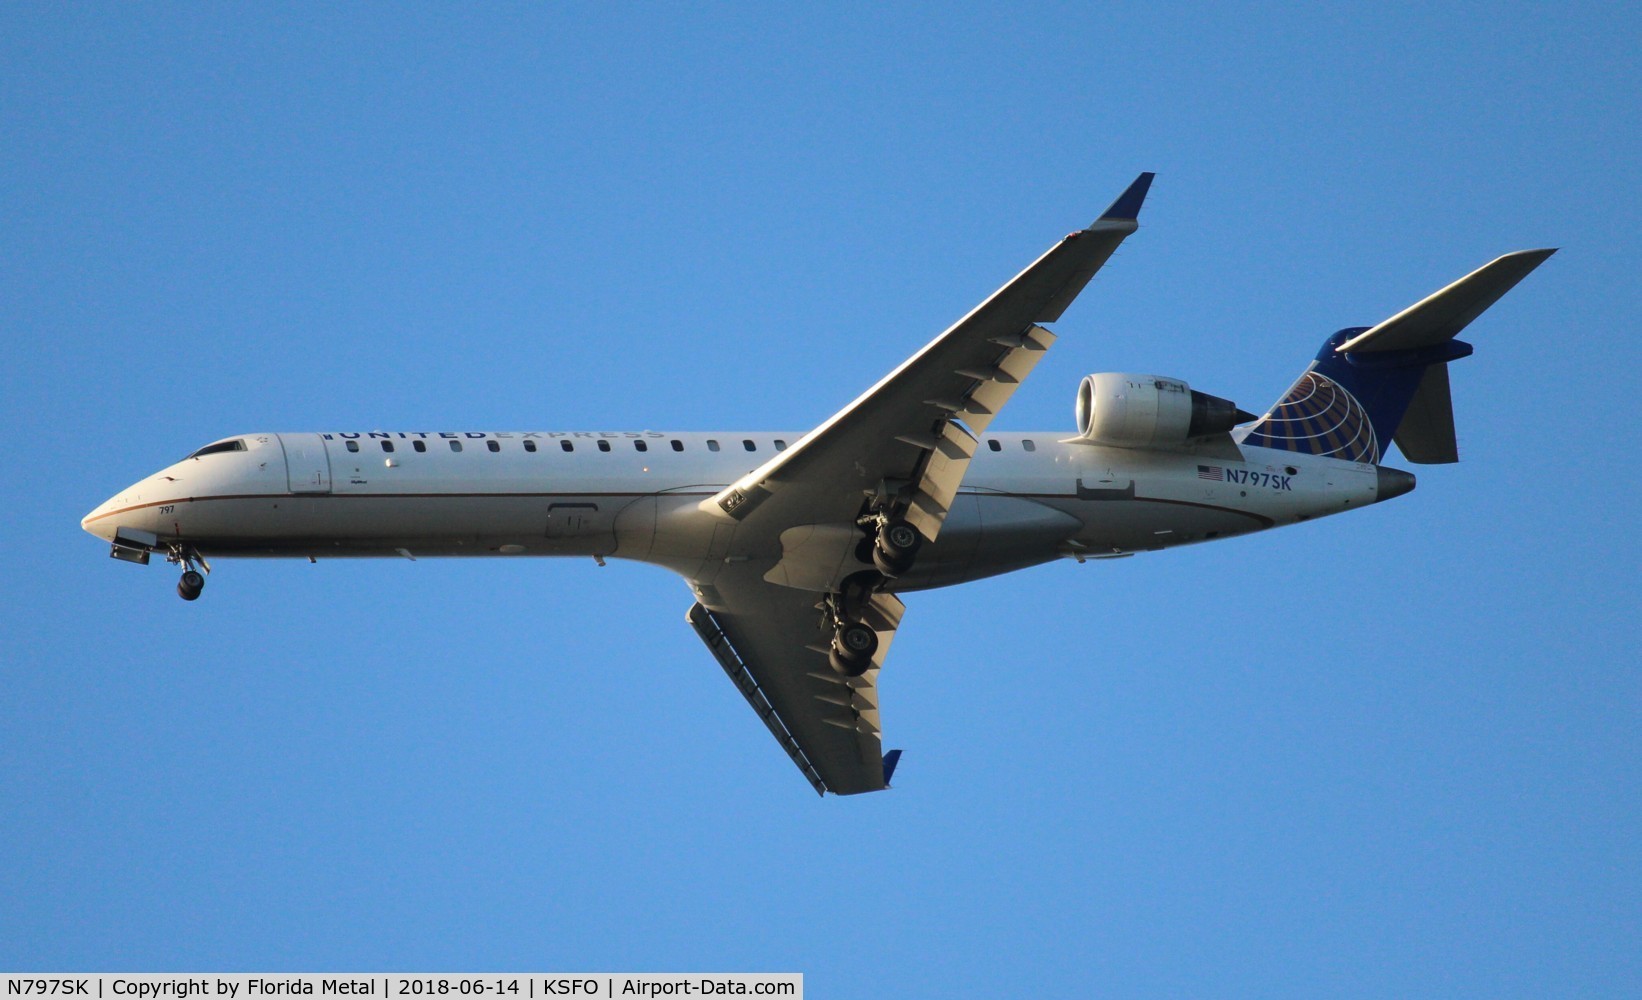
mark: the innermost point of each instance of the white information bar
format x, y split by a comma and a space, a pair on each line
397, 985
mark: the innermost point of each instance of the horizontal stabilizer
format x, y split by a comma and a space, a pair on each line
1441, 316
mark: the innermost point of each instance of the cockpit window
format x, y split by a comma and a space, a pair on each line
211, 449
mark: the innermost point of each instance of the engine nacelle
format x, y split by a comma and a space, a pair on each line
1124, 410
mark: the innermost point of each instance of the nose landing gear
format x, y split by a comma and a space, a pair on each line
192, 582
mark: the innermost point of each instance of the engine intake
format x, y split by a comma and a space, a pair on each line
1125, 410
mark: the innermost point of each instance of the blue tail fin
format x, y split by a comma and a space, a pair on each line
1370, 386
1350, 405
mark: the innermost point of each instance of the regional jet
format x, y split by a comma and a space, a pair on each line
799, 548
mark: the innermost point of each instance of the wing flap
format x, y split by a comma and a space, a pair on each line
994, 385
944, 468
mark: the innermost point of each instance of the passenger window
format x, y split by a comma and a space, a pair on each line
419, 445
1029, 445
530, 446
780, 445
641, 446
494, 445
747, 443
387, 446
678, 445
994, 444
567, 445
604, 445
353, 445
456, 446
712, 445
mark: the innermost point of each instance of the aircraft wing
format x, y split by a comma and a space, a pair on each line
772, 643
789, 525
913, 433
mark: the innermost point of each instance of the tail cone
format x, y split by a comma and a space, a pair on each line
1391, 483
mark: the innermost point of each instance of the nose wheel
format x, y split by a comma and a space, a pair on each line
190, 586
192, 583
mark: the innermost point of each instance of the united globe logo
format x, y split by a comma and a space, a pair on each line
1318, 417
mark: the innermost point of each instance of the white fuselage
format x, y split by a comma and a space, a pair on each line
1027, 499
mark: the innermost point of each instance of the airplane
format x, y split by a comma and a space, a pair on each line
798, 548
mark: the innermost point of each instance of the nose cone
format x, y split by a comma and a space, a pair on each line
1391, 483
98, 523
120, 510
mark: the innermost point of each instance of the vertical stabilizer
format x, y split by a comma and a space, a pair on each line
1426, 435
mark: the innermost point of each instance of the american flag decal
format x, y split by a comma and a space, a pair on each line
1213, 472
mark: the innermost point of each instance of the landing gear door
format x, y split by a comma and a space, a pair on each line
307, 467
577, 528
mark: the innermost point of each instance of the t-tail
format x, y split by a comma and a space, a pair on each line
1371, 386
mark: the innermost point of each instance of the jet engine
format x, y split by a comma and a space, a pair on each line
1124, 410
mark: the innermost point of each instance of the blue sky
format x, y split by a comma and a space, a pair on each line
1391, 753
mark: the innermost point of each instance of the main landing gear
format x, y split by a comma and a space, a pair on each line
853, 645
193, 581
891, 545
853, 641
895, 547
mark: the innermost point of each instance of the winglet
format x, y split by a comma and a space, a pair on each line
890, 760
1128, 203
